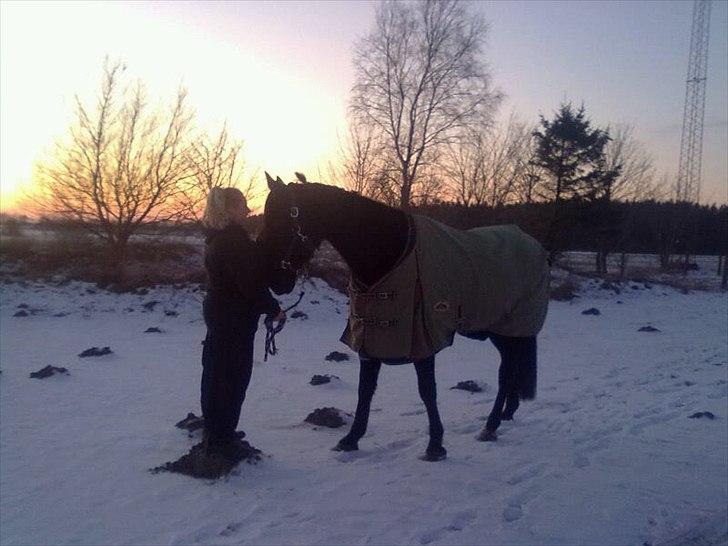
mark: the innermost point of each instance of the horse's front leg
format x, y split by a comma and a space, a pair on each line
428, 392
368, 374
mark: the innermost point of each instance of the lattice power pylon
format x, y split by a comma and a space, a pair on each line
691, 143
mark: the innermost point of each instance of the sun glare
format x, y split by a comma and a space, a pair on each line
53, 51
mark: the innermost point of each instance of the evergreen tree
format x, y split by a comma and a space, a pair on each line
571, 154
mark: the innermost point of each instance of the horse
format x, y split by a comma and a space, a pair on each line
372, 238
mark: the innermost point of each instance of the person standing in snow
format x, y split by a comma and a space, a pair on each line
237, 295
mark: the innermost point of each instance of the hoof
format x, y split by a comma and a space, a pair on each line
487, 436
507, 417
346, 445
434, 453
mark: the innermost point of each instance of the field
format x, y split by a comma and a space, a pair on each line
610, 452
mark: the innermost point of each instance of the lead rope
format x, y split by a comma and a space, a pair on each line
270, 332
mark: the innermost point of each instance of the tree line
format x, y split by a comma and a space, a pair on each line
641, 227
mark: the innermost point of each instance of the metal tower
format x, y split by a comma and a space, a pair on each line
691, 143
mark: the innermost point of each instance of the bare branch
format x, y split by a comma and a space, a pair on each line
421, 82
121, 164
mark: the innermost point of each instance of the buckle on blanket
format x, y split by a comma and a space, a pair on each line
376, 295
374, 322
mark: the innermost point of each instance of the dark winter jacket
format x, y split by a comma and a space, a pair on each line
236, 272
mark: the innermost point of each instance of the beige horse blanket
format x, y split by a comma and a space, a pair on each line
491, 279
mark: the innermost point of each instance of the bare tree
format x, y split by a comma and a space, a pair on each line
636, 178
631, 178
361, 160
420, 80
212, 162
122, 164
528, 184
506, 161
462, 167
490, 167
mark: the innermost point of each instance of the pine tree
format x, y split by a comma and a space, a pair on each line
571, 154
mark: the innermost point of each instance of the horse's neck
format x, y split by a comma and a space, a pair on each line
370, 236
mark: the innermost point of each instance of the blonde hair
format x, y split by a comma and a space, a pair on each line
220, 203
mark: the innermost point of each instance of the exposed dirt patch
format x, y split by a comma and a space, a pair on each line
469, 385
336, 356
200, 462
48, 371
702, 415
322, 379
95, 351
326, 417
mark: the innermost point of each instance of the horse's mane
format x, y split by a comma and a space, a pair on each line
336, 191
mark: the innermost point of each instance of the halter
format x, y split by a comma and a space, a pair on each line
297, 236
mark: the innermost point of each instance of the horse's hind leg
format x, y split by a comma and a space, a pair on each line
524, 354
428, 392
506, 379
368, 374
516, 380
511, 407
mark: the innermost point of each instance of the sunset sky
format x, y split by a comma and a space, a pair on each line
280, 72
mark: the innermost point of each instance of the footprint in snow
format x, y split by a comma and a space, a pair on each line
400, 444
410, 413
351, 456
527, 474
467, 429
230, 529
652, 421
512, 513
459, 522
581, 461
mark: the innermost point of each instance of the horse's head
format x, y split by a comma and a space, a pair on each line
288, 235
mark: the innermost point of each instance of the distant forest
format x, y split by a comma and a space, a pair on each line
648, 227
640, 227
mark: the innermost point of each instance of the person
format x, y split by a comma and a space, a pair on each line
237, 295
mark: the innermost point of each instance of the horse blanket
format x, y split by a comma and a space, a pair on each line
488, 279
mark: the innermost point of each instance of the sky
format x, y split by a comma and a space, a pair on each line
279, 73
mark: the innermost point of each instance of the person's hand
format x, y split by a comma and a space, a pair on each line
280, 318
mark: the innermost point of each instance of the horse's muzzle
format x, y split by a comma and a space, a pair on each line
282, 281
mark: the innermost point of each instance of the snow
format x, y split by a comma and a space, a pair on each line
605, 455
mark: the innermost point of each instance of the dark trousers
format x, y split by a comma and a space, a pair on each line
227, 364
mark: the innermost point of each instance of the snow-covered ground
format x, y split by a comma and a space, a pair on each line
605, 455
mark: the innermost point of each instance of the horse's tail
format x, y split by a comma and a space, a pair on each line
526, 372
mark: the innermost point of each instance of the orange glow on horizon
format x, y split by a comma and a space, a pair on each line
53, 51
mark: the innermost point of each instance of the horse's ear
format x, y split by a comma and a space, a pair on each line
273, 184
301, 177
279, 181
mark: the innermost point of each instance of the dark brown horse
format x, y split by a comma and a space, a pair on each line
371, 238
